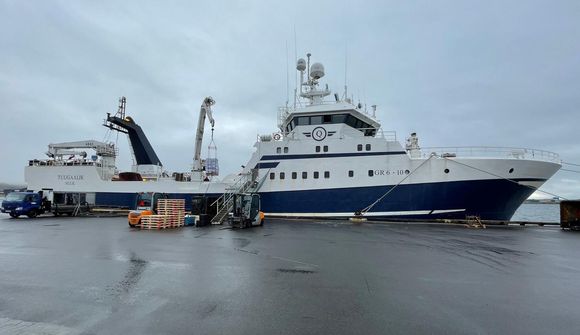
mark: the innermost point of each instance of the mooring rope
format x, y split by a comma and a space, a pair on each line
567, 170
574, 164
369, 207
502, 177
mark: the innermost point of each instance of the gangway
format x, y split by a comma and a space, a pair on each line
224, 204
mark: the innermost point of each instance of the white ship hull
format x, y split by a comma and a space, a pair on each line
331, 159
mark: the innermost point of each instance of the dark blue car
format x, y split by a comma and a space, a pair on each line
22, 203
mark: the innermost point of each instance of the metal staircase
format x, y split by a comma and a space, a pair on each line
224, 204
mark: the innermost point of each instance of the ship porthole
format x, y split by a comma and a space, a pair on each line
511, 170
446, 170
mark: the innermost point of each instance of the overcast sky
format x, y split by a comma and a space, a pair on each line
494, 73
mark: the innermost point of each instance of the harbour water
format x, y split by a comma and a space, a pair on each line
538, 213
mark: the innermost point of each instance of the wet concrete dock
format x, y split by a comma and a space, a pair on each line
98, 276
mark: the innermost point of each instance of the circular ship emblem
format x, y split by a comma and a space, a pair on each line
319, 133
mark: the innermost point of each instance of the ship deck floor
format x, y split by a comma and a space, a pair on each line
98, 276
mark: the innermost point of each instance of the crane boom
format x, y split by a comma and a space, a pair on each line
101, 148
204, 111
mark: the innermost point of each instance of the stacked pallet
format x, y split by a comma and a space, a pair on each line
174, 210
154, 222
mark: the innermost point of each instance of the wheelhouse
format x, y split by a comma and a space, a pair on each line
350, 117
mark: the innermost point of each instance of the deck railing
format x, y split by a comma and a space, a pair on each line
491, 152
51, 162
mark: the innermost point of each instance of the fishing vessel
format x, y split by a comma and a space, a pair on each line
332, 159
69, 168
329, 158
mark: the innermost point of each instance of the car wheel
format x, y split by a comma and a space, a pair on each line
32, 214
134, 226
13, 215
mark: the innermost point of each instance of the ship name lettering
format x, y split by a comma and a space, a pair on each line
380, 172
70, 177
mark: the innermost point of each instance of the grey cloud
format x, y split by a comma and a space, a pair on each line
460, 73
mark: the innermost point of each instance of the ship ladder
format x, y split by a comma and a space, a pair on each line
76, 210
224, 203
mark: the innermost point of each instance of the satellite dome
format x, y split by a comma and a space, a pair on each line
301, 64
317, 71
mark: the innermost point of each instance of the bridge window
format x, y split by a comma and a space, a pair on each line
350, 173
360, 125
325, 149
340, 118
359, 147
278, 150
282, 175
303, 121
272, 175
368, 147
304, 175
326, 174
316, 120
294, 175
315, 174
317, 148
347, 119
285, 150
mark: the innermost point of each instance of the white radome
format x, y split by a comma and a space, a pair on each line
301, 64
317, 71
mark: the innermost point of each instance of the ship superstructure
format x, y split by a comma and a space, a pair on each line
70, 169
332, 159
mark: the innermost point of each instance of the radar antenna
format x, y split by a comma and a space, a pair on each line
309, 88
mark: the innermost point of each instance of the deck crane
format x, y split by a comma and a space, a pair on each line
57, 150
105, 155
205, 110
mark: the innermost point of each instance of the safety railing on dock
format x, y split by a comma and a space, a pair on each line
492, 152
224, 203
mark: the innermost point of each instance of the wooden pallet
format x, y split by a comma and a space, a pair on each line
170, 214
154, 222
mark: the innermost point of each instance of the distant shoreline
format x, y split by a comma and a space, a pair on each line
542, 201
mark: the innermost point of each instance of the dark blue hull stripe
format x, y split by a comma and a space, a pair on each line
129, 200
489, 199
267, 165
348, 154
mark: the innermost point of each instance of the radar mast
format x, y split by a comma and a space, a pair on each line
309, 88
